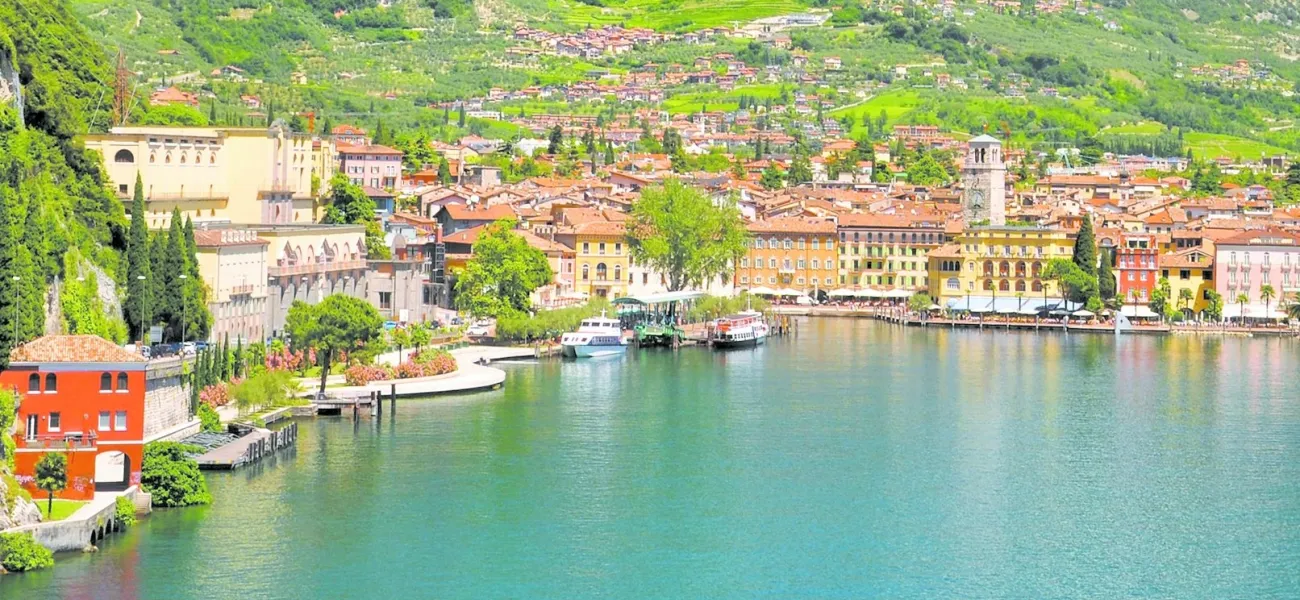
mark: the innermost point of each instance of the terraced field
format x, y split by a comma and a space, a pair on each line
676, 15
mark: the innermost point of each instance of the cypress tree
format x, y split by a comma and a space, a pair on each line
162, 300
444, 172
460, 121
239, 359
1085, 248
1105, 278
31, 295
8, 293
175, 264
139, 301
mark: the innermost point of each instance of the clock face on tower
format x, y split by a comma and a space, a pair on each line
977, 199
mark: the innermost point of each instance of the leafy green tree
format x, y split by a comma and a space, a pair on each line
1185, 298
1075, 284
52, 476
772, 178
20, 552
502, 274
349, 204
672, 141
420, 335
338, 324
609, 153
919, 302
400, 337
927, 171
1085, 247
800, 170
738, 171
1242, 300
1214, 306
1160, 297
139, 292
171, 475
444, 172
685, 235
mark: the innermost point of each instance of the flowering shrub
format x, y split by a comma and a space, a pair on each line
215, 395
282, 360
363, 374
420, 364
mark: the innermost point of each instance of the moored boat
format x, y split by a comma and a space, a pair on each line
738, 331
597, 336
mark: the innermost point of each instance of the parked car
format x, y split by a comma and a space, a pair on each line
477, 330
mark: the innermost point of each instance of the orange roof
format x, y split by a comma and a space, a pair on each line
464, 212
600, 228
792, 225
347, 130
1184, 259
371, 149
871, 220
72, 349
946, 251
465, 236
227, 237
1263, 237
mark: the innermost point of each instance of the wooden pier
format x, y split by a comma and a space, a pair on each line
248, 449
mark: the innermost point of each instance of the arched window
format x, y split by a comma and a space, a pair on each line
1005, 269
153, 158
953, 284
1038, 286
51, 383
988, 268
988, 284
586, 270
124, 156
1020, 269
1004, 285
105, 382
34, 383
121, 382
183, 158
787, 244
168, 158
1020, 285
212, 158
601, 271
1038, 269
618, 272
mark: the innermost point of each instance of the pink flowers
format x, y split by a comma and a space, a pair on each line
215, 395
420, 364
284, 360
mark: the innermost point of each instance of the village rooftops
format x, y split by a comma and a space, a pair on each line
72, 349
373, 149
207, 238
466, 212
792, 225
1272, 236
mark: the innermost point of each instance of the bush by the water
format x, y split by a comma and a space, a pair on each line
715, 307
209, 421
422, 363
546, 324
20, 552
124, 509
172, 476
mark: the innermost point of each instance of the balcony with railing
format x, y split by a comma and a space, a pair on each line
72, 440
311, 268
241, 290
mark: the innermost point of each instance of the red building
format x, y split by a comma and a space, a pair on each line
1137, 267
99, 404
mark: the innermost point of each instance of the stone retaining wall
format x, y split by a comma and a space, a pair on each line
88, 527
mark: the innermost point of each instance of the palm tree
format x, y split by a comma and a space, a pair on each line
1185, 297
1293, 310
1266, 294
1242, 299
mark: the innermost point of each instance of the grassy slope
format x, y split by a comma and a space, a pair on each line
62, 509
670, 14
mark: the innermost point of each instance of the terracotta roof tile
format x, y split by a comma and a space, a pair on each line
72, 349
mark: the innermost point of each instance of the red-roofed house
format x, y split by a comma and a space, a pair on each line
376, 166
458, 217
172, 95
88, 398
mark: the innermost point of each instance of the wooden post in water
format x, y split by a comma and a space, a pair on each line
377, 406
392, 398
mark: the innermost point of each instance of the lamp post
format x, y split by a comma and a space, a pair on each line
185, 304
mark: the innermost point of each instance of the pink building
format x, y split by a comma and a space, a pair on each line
1248, 261
375, 166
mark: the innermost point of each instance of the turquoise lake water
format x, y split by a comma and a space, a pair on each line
857, 460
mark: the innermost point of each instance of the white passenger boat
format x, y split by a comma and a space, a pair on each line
739, 330
597, 336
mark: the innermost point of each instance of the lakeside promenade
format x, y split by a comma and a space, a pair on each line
998, 322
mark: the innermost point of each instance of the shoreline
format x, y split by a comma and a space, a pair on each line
909, 320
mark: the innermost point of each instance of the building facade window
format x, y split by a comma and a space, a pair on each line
34, 384
121, 383
105, 382
51, 383
119, 421
56, 422
104, 424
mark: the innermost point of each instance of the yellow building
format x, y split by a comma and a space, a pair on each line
790, 252
601, 259
235, 175
234, 265
1004, 262
1193, 270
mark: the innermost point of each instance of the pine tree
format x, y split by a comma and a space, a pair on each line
444, 172
609, 153
1085, 248
460, 120
139, 299
212, 114
223, 359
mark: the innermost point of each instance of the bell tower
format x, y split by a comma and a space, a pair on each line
984, 177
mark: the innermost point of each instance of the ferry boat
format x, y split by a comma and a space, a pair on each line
739, 330
597, 336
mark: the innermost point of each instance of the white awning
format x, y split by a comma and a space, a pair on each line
1140, 311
